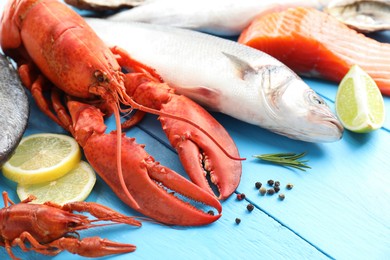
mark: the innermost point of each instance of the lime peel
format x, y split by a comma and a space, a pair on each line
359, 102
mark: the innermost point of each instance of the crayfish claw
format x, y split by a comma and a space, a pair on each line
91, 246
101, 212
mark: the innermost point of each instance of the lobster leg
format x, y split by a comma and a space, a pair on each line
146, 180
199, 154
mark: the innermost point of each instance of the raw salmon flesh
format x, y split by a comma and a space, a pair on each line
313, 43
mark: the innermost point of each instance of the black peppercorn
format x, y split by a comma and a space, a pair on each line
281, 196
210, 212
250, 207
238, 220
271, 191
240, 196
289, 186
270, 182
258, 185
277, 189
277, 184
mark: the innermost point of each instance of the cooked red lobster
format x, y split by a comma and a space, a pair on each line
56, 51
50, 228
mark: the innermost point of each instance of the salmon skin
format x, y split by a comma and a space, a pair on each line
315, 44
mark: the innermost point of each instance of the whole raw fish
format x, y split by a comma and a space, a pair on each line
228, 77
14, 109
101, 5
220, 17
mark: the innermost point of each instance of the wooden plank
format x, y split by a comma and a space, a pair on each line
338, 209
335, 204
258, 235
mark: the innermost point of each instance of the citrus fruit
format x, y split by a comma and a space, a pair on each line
42, 157
76, 185
359, 103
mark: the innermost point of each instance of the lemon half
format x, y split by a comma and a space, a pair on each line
359, 103
41, 158
76, 185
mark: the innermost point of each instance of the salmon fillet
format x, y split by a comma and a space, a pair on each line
313, 43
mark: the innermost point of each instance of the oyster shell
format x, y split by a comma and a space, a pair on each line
362, 15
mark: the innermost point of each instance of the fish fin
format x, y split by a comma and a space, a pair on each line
206, 97
242, 67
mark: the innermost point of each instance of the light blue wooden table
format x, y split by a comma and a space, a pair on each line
339, 209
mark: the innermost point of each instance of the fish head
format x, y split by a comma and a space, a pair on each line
299, 111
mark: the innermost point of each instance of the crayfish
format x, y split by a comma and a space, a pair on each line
57, 52
50, 228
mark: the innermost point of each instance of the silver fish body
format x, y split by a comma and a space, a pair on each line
220, 17
227, 77
362, 15
103, 5
14, 109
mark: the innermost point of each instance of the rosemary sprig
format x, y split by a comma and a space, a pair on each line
286, 159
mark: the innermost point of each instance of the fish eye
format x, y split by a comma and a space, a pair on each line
317, 100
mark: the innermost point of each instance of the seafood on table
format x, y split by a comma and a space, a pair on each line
103, 5
50, 228
14, 109
85, 78
309, 42
228, 77
220, 17
362, 15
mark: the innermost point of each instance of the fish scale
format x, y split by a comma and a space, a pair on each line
14, 109
227, 77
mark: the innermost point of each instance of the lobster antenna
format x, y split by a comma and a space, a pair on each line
123, 59
119, 157
136, 105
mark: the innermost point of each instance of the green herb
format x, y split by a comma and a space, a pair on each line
285, 159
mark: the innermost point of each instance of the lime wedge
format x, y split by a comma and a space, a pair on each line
41, 158
359, 103
76, 185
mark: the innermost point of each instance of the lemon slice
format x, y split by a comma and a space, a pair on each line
359, 103
76, 185
42, 157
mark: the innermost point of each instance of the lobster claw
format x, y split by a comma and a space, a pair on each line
146, 180
214, 154
199, 154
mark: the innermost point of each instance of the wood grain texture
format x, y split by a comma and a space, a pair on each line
338, 209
